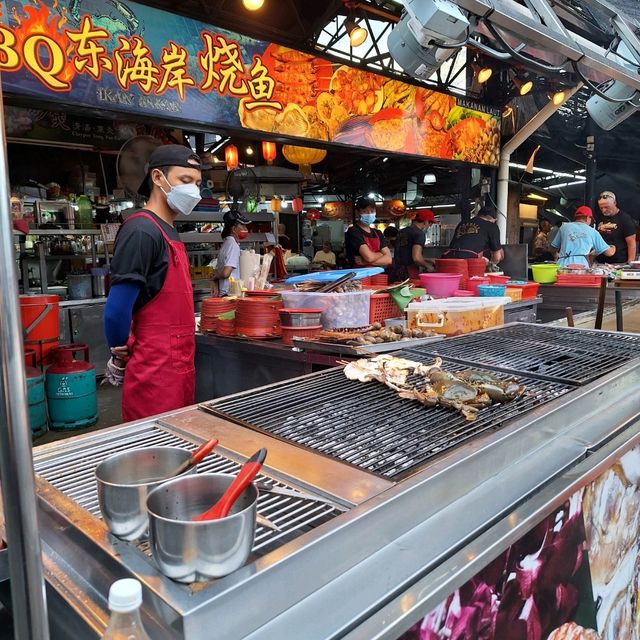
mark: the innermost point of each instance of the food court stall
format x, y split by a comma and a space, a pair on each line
446, 501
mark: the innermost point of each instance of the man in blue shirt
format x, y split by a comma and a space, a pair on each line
576, 240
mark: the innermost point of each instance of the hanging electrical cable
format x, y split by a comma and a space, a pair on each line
521, 57
600, 93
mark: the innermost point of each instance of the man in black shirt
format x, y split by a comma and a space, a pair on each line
617, 229
408, 256
149, 319
477, 238
364, 244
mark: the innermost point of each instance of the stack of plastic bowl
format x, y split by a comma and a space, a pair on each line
300, 323
454, 265
258, 318
472, 283
211, 309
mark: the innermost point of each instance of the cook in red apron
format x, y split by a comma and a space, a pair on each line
373, 243
160, 374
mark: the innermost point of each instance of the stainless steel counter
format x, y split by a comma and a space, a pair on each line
392, 547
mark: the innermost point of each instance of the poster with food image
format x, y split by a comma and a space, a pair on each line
335, 103
539, 589
611, 507
131, 58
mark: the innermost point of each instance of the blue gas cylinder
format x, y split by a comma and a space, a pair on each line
71, 389
36, 399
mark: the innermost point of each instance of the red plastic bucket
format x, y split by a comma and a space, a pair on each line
476, 266
441, 285
40, 324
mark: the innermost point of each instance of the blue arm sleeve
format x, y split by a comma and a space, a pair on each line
118, 312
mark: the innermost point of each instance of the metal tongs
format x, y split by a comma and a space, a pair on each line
331, 286
293, 493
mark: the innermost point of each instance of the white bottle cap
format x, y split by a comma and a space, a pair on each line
125, 595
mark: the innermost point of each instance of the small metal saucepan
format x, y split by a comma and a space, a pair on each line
125, 480
196, 551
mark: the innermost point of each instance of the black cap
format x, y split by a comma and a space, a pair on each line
234, 216
169, 155
363, 203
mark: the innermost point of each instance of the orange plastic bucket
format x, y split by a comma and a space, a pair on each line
40, 324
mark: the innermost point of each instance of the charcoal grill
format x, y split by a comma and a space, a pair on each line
406, 525
367, 424
571, 356
77, 481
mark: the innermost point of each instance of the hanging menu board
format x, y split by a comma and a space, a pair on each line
121, 56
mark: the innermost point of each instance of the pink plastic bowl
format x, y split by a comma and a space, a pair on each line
440, 285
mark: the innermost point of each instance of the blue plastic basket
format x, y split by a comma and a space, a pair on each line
491, 290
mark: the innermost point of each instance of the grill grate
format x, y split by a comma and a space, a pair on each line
367, 424
572, 356
74, 475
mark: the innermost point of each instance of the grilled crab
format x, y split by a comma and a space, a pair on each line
497, 389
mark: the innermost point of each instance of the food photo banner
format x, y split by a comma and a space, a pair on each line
122, 56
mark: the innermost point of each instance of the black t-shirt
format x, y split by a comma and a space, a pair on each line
141, 255
407, 238
354, 238
614, 230
478, 236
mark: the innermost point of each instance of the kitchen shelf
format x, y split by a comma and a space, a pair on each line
59, 232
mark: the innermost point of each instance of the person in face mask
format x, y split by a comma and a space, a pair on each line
149, 314
234, 231
366, 246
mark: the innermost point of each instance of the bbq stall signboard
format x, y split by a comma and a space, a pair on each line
132, 58
576, 576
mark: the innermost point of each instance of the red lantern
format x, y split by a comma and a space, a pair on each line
313, 214
297, 205
269, 151
231, 156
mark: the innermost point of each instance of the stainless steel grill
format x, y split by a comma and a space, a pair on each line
369, 425
73, 473
573, 356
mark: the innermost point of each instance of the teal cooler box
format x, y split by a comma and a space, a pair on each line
71, 389
36, 397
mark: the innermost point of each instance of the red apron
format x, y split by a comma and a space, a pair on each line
373, 244
160, 374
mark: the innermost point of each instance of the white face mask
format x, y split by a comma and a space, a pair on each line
182, 198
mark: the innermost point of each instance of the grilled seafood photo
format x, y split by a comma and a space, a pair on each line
611, 506
466, 391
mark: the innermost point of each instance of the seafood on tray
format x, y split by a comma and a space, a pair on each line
465, 391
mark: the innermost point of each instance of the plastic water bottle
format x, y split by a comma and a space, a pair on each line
125, 599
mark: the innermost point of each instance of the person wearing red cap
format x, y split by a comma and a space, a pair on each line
577, 240
408, 257
149, 315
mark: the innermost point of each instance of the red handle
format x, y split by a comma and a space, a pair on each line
203, 451
248, 472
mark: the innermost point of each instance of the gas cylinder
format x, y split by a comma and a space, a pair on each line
35, 396
71, 389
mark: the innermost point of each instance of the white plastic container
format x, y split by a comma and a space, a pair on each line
339, 310
455, 316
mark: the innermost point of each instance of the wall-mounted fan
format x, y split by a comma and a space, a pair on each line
131, 165
243, 184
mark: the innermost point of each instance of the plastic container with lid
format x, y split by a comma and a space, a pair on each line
339, 310
455, 316
125, 623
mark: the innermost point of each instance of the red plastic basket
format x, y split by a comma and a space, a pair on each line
496, 279
529, 290
383, 307
578, 280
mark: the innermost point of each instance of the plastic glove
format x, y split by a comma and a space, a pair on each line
114, 373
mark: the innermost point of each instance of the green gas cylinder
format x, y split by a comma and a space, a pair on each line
71, 389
